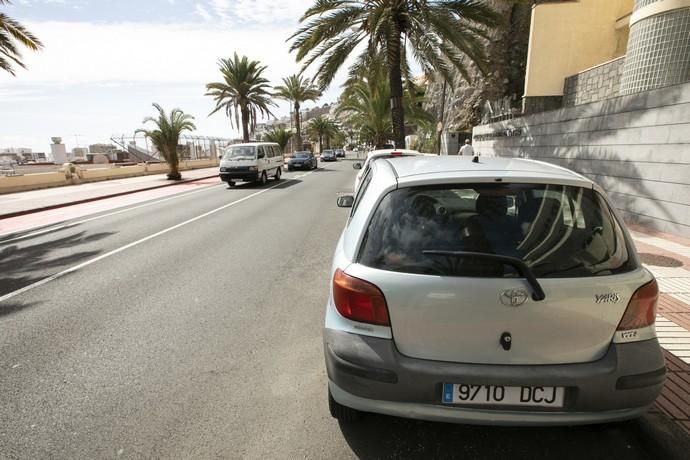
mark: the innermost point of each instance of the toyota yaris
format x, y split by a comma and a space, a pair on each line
501, 292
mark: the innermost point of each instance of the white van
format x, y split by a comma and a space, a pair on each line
255, 161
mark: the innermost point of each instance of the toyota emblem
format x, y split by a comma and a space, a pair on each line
513, 297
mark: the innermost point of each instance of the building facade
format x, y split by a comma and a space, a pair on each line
607, 94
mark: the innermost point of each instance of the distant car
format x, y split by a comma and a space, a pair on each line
328, 155
340, 153
302, 160
376, 154
502, 292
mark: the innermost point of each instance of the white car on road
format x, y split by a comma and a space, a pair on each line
251, 162
501, 292
376, 154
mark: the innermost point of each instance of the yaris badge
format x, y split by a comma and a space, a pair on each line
514, 297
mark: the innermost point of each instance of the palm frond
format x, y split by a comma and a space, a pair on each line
12, 34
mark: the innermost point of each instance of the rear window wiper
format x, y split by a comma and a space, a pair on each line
514, 262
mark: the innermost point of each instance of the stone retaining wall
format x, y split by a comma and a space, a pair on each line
595, 84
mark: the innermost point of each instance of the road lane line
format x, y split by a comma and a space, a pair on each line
83, 221
134, 243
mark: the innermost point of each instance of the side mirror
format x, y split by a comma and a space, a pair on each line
357, 165
345, 201
261, 155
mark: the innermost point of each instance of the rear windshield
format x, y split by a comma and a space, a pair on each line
557, 230
240, 152
301, 155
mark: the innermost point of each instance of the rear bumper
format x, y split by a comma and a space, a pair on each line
369, 374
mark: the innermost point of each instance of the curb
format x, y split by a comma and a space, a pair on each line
96, 198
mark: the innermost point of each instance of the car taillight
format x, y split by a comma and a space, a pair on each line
359, 300
641, 310
396, 154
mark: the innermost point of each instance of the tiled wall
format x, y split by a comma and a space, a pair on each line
637, 147
658, 52
596, 84
642, 3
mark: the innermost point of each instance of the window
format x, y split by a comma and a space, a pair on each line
558, 231
360, 193
242, 152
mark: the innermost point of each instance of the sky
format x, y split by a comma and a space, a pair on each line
106, 61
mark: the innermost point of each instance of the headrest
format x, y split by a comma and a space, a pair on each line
492, 205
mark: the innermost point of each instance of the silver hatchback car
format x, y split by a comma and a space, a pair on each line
501, 292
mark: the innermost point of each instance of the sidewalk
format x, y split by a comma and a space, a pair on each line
14, 204
668, 257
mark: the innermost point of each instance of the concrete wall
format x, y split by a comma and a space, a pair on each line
595, 84
568, 37
21, 183
636, 147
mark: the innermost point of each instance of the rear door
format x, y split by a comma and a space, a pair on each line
448, 305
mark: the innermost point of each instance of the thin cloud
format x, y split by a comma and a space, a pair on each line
203, 12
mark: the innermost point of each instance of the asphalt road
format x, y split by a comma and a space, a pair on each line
191, 328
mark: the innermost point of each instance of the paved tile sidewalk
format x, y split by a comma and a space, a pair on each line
673, 320
12, 203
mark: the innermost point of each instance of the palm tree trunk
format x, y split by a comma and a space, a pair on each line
380, 140
298, 137
320, 143
174, 163
245, 124
395, 80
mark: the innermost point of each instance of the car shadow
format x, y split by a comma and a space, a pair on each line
283, 183
378, 437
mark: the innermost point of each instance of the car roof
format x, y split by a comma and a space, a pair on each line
244, 144
432, 169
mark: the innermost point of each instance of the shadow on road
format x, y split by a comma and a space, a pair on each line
284, 183
378, 437
7, 308
28, 261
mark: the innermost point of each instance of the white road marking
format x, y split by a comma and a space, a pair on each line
72, 224
135, 243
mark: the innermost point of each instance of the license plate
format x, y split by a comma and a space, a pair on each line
498, 395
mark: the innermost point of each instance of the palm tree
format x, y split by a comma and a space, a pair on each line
367, 109
444, 35
12, 33
297, 89
244, 92
365, 105
281, 136
167, 135
322, 127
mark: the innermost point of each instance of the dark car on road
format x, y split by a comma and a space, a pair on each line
340, 153
302, 160
328, 155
